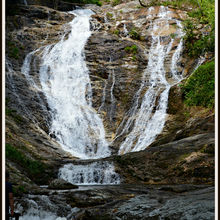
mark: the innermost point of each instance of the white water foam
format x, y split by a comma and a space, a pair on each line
64, 80
39, 207
95, 173
66, 84
147, 121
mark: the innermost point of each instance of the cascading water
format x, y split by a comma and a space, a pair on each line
77, 127
65, 81
147, 121
41, 207
101, 172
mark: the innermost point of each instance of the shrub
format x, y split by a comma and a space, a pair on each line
134, 34
132, 49
198, 44
109, 15
32, 167
116, 2
199, 89
203, 12
116, 32
180, 3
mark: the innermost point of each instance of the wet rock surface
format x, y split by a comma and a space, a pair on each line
61, 184
185, 161
131, 202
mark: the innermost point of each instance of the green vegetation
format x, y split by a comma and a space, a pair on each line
132, 49
203, 12
199, 89
134, 58
180, 3
14, 115
20, 190
173, 35
33, 167
208, 149
134, 34
116, 32
13, 50
200, 43
115, 2
109, 16
184, 156
97, 2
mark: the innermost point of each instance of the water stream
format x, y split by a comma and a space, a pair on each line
65, 81
146, 118
75, 124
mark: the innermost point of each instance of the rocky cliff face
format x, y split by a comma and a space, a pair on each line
182, 153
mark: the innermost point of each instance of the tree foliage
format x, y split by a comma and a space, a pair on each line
199, 89
199, 44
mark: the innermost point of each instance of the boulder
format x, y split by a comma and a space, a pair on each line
61, 184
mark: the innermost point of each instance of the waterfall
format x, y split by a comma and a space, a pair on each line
75, 124
101, 172
144, 123
25, 2
125, 30
65, 81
